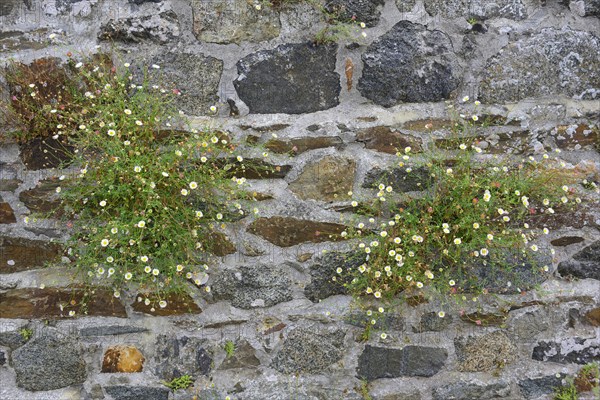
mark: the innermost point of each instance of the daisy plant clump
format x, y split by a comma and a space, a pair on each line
146, 195
470, 232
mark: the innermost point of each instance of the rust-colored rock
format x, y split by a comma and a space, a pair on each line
23, 254
43, 197
566, 241
123, 359
300, 145
220, 245
9, 185
387, 140
484, 319
593, 316
7, 215
176, 304
32, 303
428, 125
253, 168
329, 179
286, 231
40, 153
576, 137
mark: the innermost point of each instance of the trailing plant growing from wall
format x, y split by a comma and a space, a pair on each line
147, 196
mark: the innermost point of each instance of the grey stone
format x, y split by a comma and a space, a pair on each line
253, 286
176, 357
49, 362
111, 330
12, 339
309, 351
196, 76
2, 358
532, 388
158, 28
137, 392
8, 6
387, 322
244, 356
586, 8
367, 11
569, 350
585, 264
484, 353
409, 64
472, 391
480, 9
138, 2
321, 284
416, 179
382, 362
405, 6
431, 321
329, 179
233, 21
291, 79
551, 62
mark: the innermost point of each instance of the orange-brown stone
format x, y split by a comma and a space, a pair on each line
285, 231
386, 140
123, 359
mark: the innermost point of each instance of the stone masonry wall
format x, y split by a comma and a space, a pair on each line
533, 64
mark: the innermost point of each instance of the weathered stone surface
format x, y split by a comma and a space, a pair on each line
220, 245
243, 357
405, 5
329, 179
9, 185
291, 79
566, 241
137, 392
586, 8
569, 350
46, 303
49, 362
484, 353
123, 359
158, 28
485, 319
252, 168
552, 62
386, 322
593, 316
12, 339
196, 76
367, 11
42, 198
472, 391
300, 145
388, 140
518, 141
577, 137
479, 9
110, 330
409, 64
533, 388
23, 254
286, 232
8, 6
177, 304
7, 215
176, 357
431, 321
401, 179
428, 125
234, 21
252, 286
382, 362
585, 264
40, 153
309, 351
324, 269
2, 358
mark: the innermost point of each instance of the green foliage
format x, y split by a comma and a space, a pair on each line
182, 382
229, 348
567, 392
26, 333
363, 390
147, 195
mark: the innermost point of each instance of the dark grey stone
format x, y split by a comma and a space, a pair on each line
2, 358
138, 2
49, 362
431, 321
8, 6
111, 330
532, 388
480, 9
551, 62
405, 6
387, 321
137, 392
253, 286
321, 284
585, 264
570, 350
382, 362
591, 8
416, 180
367, 11
176, 357
409, 64
472, 391
158, 28
12, 339
291, 79
244, 356
307, 350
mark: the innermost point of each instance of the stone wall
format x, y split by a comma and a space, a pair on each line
331, 116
